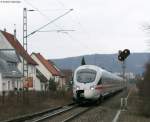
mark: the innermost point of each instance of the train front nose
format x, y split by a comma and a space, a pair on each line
80, 94
87, 94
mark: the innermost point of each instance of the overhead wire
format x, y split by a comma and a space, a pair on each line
41, 13
49, 22
79, 23
69, 35
75, 39
26, 1
84, 30
61, 3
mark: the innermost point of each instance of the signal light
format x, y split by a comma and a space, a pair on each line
123, 54
126, 53
120, 58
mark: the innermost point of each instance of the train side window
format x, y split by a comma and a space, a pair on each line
99, 82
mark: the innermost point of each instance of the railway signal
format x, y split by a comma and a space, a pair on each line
120, 56
123, 54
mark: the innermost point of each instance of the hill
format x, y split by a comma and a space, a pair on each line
135, 62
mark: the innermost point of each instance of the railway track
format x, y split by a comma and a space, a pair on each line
59, 114
30, 117
67, 116
52, 114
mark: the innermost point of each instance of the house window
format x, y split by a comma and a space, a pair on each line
13, 84
11, 65
8, 85
4, 86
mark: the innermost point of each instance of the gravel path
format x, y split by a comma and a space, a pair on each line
103, 113
132, 114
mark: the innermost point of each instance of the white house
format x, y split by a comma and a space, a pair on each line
48, 69
9, 42
10, 76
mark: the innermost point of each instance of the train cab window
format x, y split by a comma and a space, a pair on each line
99, 82
86, 75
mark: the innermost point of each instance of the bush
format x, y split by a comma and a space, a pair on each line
144, 93
36, 101
52, 85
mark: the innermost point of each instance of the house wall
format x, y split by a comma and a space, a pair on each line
61, 82
58, 79
1, 82
9, 84
47, 74
4, 44
37, 84
40, 86
31, 72
42, 68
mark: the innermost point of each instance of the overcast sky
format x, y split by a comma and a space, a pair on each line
100, 26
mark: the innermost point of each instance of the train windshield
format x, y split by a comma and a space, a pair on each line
86, 75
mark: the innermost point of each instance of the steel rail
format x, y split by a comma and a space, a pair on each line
26, 117
30, 116
76, 115
54, 113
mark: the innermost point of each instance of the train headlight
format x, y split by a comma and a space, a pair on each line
92, 87
77, 87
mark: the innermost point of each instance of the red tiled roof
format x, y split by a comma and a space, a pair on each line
19, 49
48, 65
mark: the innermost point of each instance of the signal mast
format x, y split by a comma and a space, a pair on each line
121, 57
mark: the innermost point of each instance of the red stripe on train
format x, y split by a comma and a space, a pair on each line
99, 87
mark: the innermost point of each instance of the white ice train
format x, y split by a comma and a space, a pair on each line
91, 83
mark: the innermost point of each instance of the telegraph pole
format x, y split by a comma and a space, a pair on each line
25, 44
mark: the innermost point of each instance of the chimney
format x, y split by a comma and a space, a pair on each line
14, 31
4, 29
14, 34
